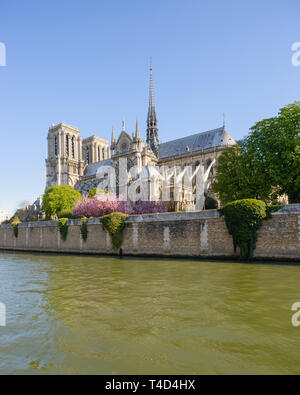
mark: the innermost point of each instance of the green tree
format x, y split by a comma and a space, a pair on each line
237, 178
266, 164
274, 147
58, 198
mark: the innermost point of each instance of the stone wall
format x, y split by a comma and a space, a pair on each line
194, 234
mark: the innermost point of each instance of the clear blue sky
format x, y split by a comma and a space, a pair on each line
87, 63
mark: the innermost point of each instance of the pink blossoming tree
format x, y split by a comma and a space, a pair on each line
104, 204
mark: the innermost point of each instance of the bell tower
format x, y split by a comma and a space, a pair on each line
64, 164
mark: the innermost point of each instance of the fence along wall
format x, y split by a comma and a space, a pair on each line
195, 234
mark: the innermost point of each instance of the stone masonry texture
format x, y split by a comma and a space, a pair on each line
194, 234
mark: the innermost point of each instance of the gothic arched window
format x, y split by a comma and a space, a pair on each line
67, 146
208, 163
73, 148
99, 157
55, 146
88, 154
103, 153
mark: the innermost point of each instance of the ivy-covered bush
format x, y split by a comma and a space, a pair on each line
63, 228
272, 209
243, 219
115, 224
15, 225
67, 213
84, 229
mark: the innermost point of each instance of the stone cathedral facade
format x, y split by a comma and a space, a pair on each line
75, 161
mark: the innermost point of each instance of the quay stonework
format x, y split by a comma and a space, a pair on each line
188, 234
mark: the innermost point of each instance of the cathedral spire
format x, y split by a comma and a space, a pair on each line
152, 128
123, 126
137, 130
113, 140
151, 96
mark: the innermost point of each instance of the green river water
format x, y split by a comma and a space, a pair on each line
104, 315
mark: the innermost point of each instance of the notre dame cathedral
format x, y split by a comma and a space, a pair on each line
75, 161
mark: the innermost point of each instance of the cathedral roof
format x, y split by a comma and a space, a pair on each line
91, 170
196, 142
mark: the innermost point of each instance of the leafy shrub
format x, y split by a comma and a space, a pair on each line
115, 224
63, 228
84, 229
58, 198
15, 225
67, 213
243, 219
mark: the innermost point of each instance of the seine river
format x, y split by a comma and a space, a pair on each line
103, 315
